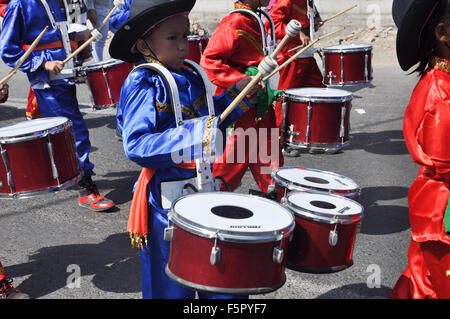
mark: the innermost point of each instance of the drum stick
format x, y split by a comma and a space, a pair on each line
300, 52
328, 19
339, 13
93, 38
292, 30
265, 67
24, 57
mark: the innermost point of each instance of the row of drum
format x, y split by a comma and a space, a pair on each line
313, 117
221, 242
232, 243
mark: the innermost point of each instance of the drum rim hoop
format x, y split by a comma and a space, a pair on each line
37, 134
197, 37
281, 181
102, 64
231, 236
321, 217
348, 49
346, 97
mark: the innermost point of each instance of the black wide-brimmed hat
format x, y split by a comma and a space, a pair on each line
411, 17
143, 15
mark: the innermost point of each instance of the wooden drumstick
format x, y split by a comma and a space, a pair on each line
24, 57
265, 67
96, 32
300, 52
339, 13
328, 19
292, 30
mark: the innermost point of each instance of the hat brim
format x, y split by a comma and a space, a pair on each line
125, 38
410, 30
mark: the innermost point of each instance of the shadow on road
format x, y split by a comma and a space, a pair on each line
11, 114
383, 143
382, 219
113, 263
357, 291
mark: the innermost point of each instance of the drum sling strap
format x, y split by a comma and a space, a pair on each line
264, 99
138, 218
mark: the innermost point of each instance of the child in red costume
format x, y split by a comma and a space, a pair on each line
424, 37
235, 46
303, 71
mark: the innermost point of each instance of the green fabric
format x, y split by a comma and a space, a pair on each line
264, 99
447, 218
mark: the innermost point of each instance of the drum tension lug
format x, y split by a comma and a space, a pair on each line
333, 237
277, 255
215, 254
168, 233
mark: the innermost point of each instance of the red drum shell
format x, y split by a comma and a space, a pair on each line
105, 80
348, 64
247, 244
35, 177
197, 45
310, 249
244, 268
324, 121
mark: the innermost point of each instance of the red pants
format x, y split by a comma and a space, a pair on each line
428, 273
2, 272
297, 74
242, 152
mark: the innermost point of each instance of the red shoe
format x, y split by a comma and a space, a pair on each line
7, 291
91, 198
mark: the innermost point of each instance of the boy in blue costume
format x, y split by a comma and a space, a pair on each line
157, 33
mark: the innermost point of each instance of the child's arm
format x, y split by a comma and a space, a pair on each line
150, 137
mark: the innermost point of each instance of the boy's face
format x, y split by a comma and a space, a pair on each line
169, 42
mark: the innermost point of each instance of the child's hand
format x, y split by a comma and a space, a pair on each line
4, 91
54, 66
304, 39
259, 86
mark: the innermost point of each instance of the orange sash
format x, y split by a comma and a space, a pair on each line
138, 219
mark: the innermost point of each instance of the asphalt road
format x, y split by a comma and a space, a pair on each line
46, 240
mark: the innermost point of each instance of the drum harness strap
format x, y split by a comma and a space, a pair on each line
138, 219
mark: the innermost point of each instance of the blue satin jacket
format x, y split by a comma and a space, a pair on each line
150, 135
23, 22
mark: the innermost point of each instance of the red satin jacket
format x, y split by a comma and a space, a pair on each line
282, 12
427, 135
234, 46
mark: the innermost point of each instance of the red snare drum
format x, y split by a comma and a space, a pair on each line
197, 44
37, 157
316, 118
289, 179
105, 81
228, 243
347, 64
325, 232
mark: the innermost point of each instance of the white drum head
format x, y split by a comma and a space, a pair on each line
324, 207
318, 95
294, 177
347, 48
31, 127
232, 214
